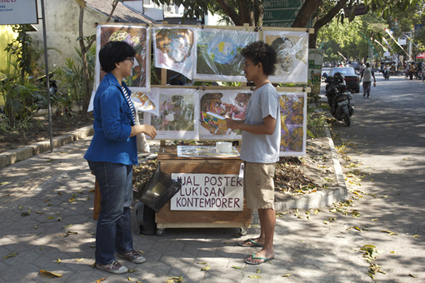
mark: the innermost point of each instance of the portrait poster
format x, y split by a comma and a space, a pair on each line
293, 123
230, 103
149, 101
315, 61
138, 38
174, 49
178, 114
292, 55
218, 54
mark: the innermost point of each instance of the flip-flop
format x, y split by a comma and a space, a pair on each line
246, 243
264, 259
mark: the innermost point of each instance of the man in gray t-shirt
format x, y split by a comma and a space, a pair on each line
260, 146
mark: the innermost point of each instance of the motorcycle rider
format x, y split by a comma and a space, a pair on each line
367, 75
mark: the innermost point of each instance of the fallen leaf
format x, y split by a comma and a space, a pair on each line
415, 236
202, 262
254, 276
50, 204
78, 259
50, 217
286, 275
49, 274
412, 275
129, 278
393, 252
132, 270
100, 280
58, 261
374, 219
206, 268
67, 226
258, 270
10, 255
236, 267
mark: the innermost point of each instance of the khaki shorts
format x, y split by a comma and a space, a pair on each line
258, 185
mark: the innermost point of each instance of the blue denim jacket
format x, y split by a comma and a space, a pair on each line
112, 125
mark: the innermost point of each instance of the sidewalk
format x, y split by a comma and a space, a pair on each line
46, 203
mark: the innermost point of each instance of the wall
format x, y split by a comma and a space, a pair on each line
6, 36
62, 18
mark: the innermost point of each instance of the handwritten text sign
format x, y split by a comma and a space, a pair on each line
208, 192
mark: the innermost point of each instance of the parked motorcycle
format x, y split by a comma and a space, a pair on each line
339, 98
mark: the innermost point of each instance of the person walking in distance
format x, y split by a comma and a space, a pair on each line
367, 75
260, 146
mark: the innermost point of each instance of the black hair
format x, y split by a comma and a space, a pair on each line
260, 52
114, 52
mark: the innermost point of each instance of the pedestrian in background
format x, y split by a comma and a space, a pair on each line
260, 146
111, 156
367, 75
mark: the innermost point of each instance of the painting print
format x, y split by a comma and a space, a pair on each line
138, 38
292, 55
148, 101
174, 50
178, 114
219, 104
293, 119
218, 54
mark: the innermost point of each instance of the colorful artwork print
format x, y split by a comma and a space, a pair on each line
174, 50
226, 103
178, 114
137, 37
293, 124
218, 54
292, 55
149, 101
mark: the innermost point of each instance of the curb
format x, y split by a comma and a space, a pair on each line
321, 198
13, 156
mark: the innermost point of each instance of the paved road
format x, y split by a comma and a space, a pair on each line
385, 140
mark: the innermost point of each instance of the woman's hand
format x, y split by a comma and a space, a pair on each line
146, 129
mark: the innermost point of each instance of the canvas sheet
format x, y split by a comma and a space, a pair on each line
232, 103
292, 54
293, 122
174, 49
178, 114
218, 54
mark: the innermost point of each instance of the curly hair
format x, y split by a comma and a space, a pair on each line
114, 52
260, 52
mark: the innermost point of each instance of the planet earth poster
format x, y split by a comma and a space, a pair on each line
218, 54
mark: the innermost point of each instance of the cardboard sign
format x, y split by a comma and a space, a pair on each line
14, 12
214, 192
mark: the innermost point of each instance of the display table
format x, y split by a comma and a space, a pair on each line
167, 218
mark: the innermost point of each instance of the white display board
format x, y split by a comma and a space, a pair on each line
214, 192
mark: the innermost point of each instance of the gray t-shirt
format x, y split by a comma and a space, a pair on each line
262, 148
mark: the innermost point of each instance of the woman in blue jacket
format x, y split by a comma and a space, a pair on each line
111, 156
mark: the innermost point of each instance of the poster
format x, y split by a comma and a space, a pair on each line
213, 192
292, 55
218, 54
232, 103
178, 114
293, 119
149, 100
315, 62
136, 36
174, 49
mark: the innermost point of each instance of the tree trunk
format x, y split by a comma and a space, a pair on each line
306, 12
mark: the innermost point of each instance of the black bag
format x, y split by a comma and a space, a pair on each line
159, 190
